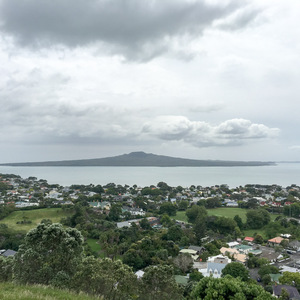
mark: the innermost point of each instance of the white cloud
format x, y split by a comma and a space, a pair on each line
203, 134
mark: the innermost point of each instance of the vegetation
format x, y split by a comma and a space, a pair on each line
11, 291
15, 219
228, 287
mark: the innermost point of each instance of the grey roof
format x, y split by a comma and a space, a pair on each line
293, 292
215, 266
9, 253
196, 248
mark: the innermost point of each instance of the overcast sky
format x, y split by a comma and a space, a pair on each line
216, 79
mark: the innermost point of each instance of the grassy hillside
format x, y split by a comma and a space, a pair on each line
35, 216
10, 291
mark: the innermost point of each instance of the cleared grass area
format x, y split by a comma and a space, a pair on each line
228, 212
10, 291
253, 232
180, 216
35, 216
93, 243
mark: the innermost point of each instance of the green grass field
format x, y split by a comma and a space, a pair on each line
10, 291
93, 243
35, 216
228, 212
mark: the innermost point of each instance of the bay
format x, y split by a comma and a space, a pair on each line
283, 174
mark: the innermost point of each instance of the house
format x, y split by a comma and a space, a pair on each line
234, 253
215, 265
249, 239
276, 241
192, 252
197, 248
292, 291
244, 249
232, 244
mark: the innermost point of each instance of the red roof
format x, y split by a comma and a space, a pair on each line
249, 239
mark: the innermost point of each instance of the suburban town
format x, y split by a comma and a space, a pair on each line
249, 232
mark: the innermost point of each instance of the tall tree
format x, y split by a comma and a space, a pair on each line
194, 212
50, 255
227, 287
236, 269
158, 283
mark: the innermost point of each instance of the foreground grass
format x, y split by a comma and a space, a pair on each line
10, 291
35, 216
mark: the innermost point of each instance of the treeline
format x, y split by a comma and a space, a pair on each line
53, 255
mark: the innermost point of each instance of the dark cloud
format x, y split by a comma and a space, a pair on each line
137, 29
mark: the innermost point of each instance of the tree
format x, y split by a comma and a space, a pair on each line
174, 233
144, 223
290, 278
199, 228
166, 221
158, 283
183, 205
267, 269
50, 255
194, 212
258, 239
115, 212
111, 279
195, 275
227, 287
167, 208
184, 262
236, 269
238, 221
256, 219
6, 265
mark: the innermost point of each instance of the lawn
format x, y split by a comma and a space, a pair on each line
220, 212
93, 243
35, 216
228, 212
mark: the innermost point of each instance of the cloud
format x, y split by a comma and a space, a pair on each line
203, 134
136, 29
295, 147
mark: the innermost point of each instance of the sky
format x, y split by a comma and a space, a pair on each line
215, 79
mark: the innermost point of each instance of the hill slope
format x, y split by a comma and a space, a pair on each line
142, 159
11, 291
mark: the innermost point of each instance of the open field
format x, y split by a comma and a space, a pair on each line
10, 291
35, 216
228, 212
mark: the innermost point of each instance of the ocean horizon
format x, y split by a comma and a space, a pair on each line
283, 174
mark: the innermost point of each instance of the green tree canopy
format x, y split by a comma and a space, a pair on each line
158, 283
111, 279
49, 253
194, 212
256, 219
227, 287
236, 269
